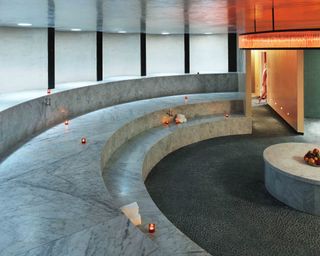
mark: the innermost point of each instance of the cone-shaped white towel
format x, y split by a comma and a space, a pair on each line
132, 213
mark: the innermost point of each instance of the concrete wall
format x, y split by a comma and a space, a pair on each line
23, 59
285, 86
165, 54
209, 53
121, 54
75, 56
312, 83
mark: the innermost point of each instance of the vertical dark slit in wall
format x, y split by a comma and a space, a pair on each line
273, 15
232, 52
186, 37
99, 56
51, 58
143, 43
255, 21
143, 54
186, 53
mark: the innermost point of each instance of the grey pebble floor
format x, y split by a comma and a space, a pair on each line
214, 192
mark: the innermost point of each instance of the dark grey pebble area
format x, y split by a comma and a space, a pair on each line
214, 192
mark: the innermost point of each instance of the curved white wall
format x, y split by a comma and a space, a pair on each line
165, 54
24, 56
75, 56
209, 53
121, 55
23, 59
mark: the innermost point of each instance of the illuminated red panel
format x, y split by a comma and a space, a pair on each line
297, 14
263, 16
288, 15
281, 40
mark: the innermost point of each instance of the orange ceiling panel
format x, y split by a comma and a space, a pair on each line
297, 14
257, 15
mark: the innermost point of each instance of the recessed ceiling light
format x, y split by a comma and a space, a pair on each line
122, 32
165, 33
76, 29
25, 24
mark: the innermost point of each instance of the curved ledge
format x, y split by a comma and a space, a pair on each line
52, 186
205, 105
125, 174
32, 117
54, 183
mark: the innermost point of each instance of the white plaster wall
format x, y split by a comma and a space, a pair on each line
23, 59
165, 54
75, 56
121, 55
209, 53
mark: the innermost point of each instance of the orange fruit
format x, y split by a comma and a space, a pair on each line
306, 159
311, 161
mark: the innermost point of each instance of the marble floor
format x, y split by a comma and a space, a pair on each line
53, 200
221, 202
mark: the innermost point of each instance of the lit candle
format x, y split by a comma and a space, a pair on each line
66, 122
49, 91
152, 228
165, 121
83, 140
186, 99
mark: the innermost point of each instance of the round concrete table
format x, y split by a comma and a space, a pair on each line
289, 179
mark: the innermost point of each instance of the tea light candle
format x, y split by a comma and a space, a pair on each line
66, 122
49, 91
152, 228
83, 140
165, 121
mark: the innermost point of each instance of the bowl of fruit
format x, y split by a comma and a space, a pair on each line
313, 157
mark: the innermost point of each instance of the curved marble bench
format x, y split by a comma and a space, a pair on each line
289, 179
53, 198
128, 168
32, 117
197, 106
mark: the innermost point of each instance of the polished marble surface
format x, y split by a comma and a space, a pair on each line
53, 198
129, 166
288, 158
36, 115
289, 179
8, 100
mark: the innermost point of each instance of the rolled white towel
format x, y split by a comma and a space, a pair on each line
180, 118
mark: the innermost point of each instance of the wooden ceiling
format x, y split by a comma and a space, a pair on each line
157, 16
260, 15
